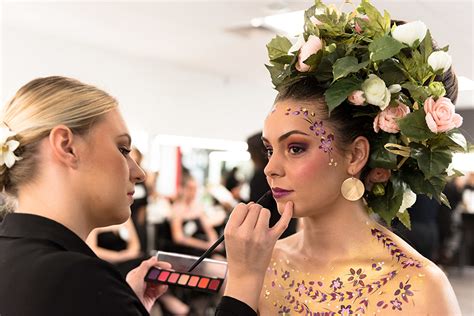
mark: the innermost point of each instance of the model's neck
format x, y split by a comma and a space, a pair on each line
335, 233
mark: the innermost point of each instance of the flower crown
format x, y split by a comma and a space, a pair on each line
8, 147
388, 72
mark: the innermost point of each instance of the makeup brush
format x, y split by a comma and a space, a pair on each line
264, 199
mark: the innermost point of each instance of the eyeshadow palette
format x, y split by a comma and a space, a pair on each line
208, 276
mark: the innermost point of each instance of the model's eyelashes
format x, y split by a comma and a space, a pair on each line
268, 152
124, 150
296, 148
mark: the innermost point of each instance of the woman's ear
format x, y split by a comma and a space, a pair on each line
64, 145
358, 155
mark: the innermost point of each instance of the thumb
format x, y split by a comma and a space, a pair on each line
282, 224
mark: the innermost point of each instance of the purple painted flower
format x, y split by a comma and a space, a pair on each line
285, 275
396, 304
284, 310
404, 290
300, 288
326, 143
356, 277
318, 128
336, 284
345, 310
410, 262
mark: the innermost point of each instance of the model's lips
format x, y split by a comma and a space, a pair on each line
131, 193
279, 192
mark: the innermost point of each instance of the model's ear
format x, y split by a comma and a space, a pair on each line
64, 145
358, 155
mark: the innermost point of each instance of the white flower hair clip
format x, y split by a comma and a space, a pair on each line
7, 147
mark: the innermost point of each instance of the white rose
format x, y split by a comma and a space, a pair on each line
408, 33
409, 198
440, 60
376, 92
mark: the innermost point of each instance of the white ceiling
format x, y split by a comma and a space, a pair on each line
183, 67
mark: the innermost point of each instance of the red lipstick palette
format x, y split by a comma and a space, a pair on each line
208, 276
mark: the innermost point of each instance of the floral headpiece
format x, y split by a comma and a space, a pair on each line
8, 147
390, 73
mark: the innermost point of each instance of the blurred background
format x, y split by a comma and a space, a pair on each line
192, 86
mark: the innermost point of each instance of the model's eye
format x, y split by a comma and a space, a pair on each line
268, 152
294, 149
125, 151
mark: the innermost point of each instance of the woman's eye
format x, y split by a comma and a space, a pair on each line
269, 152
296, 149
125, 151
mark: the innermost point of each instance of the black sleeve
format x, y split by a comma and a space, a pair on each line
230, 306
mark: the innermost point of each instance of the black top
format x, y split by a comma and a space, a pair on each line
46, 269
229, 306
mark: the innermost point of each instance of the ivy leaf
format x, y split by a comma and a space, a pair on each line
414, 126
390, 72
418, 93
384, 47
278, 47
453, 140
426, 46
277, 73
387, 206
404, 218
378, 25
346, 65
340, 90
432, 161
432, 187
381, 157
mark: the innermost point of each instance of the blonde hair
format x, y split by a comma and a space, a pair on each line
37, 108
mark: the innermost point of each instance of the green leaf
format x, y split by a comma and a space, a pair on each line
458, 139
384, 47
416, 92
444, 200
387, 206
277, 73
340, 90
390, 72
426, 46
381, 157
404, 218
432, 162
286, 59
346, 65
378, 25
278, 47
432, 187
414, 126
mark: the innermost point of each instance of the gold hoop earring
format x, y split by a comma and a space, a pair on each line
352, 189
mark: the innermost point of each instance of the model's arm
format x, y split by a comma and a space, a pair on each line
180, 238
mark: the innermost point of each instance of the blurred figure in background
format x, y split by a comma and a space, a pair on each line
233, 184
259, 184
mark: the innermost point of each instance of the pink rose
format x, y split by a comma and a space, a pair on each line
377, 175
357, 27
310, 47
357, 97
387, 119
440, 116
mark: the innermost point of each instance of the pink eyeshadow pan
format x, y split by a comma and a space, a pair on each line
163, 275
173, 277
183, 279
193, 281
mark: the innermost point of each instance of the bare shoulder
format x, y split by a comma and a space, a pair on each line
437, 295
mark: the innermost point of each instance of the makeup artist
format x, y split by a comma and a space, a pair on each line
64, 160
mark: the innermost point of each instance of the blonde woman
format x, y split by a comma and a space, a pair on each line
65, 160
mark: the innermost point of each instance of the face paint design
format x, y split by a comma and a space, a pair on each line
317, 128
359, 290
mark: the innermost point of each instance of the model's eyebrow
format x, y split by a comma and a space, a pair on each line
129, 138
286, 135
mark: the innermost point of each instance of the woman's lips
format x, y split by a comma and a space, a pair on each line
278, 193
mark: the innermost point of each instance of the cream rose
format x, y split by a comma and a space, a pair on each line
357, 97
440, 115
310, 47
408, 33
440, 60
376, 92
387, 119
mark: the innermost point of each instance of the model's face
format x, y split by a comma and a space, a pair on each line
109, 173
304, 166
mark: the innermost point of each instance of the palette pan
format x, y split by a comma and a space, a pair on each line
208, 276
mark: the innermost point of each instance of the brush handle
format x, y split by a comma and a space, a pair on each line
221, 238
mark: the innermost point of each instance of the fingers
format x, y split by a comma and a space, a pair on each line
252, 217
263, 220
237, 216
282, 224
